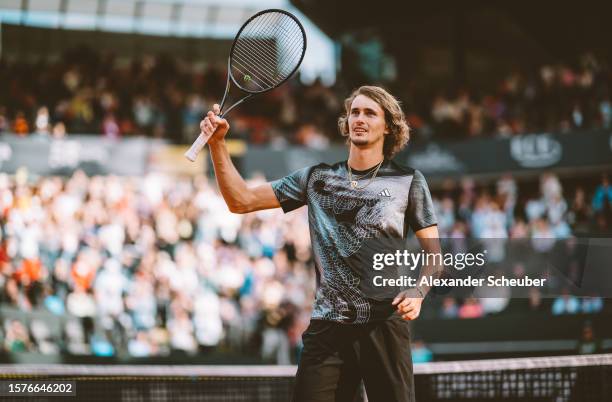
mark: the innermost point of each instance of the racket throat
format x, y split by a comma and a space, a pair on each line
227, 86
222, 115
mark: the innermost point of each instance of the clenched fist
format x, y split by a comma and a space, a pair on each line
408, 305
213, 127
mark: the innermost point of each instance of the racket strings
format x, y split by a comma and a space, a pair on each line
255, 64
260, 51
267, 51
257, 50
288, 39
253, 80
288, 59
273, 28
262, 66
254, 52
266, 69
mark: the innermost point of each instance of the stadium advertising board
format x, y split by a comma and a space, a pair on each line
524, 153
93, 155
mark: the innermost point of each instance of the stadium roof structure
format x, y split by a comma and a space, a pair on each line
559, 26
210, 19
513, 31
194, 18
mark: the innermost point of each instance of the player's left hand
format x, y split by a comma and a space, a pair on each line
408, 306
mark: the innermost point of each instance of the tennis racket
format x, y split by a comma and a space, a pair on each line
267, 50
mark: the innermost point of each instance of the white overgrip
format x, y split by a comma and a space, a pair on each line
197, 146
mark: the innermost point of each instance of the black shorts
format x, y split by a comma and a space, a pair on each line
336, 357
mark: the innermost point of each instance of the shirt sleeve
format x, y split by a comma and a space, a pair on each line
420, 211
291, 190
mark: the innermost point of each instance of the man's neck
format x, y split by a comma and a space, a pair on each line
364, 158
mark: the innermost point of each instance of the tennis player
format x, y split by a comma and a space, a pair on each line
351, 337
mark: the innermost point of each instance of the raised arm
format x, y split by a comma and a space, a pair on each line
240, 198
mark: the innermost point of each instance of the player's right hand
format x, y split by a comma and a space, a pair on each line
214, 127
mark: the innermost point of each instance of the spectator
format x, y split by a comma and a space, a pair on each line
603, 195
140, 346
42, 123
420, 352
449, 309
588, 344
605, 109
100, 346
471, 308
535, 300
445, 213
579, 214
4, 123
565, 304
181, 332
20, 125
59, 131
16, 337
110, 127
591, 305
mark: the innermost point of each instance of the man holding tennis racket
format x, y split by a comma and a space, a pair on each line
351, 336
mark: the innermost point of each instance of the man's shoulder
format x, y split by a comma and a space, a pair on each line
326, 166
395, 169
391, 168
305, 174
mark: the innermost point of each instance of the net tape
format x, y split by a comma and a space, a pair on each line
552, 379
464, 366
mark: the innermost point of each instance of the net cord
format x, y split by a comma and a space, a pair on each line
490, 365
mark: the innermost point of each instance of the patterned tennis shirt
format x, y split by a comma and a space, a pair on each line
343, 218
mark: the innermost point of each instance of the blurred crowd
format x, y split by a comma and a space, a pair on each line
149, 266
547, 212
545, 208
153, 265
89, 92
550, 98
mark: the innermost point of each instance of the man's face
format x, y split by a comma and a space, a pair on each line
366, 122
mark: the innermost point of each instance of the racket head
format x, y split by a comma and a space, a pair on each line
267, 51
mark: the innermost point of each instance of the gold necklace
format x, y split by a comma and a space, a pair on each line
354, 182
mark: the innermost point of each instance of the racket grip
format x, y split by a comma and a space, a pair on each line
196, 147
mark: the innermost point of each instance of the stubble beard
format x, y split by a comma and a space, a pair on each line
360, 142
365, 141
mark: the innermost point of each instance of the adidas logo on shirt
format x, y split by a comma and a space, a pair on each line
384, 193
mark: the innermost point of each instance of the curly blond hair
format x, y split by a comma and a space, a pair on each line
399, 132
